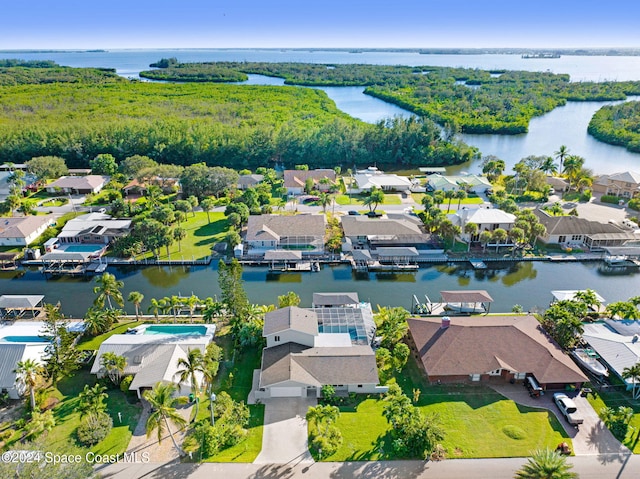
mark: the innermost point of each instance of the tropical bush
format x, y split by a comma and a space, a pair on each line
94, 428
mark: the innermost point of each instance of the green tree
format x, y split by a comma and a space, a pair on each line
546, 464
617, 420
207, 204
46, 167
108, 289
39, 423
162, 401
234, 296
289, 299
633, 373
549, 166
133, 165
232, 238
325, 200
623, 309
91, 400
114, 365
188, 370
28, 373
373, 199
449, 195
391, 325
485, 239
179, 234
498, 236
61, 355
135, 298
560, 155
95, 322
104, 164
461, 195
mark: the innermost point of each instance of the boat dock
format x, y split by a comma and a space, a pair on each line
478, 264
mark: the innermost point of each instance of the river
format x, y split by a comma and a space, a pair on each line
527, 283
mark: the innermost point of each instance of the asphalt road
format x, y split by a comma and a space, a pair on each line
588, 467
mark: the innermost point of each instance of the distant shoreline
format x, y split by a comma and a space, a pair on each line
424, 51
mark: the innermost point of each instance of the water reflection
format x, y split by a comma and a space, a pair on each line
165, 276
285, 277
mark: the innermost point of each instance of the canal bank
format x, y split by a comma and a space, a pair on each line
527, 283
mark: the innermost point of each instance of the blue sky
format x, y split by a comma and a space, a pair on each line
47, 24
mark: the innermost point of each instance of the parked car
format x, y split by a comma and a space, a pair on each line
354, 213
568, 409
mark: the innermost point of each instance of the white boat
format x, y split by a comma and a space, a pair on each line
589, 359
471, 308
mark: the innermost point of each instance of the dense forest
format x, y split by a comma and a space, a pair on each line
91, 113
19, 72
618, 125
468, 100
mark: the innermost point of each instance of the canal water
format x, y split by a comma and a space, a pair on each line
526, 283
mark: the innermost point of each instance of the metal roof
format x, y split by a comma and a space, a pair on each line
18, 301
570, 294
282, 255
468, 296
334, 299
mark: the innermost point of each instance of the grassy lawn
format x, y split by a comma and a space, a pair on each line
67, 419
389, 199
473, 200
201, 236
618, 398
478, 422
235, 377
95, 342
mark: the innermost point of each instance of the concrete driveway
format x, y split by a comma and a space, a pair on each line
284, 437
592, 438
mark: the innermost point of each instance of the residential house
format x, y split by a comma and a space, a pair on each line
94, 228
21, 341
491, 348
309, 348
134, 188
617, 344
153, 358
303, 233
362, 232
625, 184
487, 219
78, 185
365, 180
575, 232
471, 183
295, 180
249, 181
559, 185
22, 231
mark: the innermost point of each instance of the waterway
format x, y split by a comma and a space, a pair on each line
527, 283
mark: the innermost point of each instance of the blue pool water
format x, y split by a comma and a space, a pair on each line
24, 339
82, 248
180, 330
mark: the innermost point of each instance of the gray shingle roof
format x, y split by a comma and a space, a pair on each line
291, 317
365, 226
264, 227
335, 299
573, 225
477, 345
318, 366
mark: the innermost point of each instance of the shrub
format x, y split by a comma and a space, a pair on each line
126, 382
634, 204
611, 199
94, 428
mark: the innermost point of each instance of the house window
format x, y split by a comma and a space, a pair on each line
576, 238
359, 385
495, 372
562, 239
276, 338
475, 377
495, 226
521, 375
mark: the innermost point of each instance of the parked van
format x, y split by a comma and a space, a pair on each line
532, 385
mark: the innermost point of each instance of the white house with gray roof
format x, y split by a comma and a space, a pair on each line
487, 219
303, 233
309, 348
78, 185
94, 228
22, 231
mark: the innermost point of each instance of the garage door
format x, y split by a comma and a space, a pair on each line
286, 392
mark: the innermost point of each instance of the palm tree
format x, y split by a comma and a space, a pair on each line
549, 166
623, 309
108, 288
213, 309
633, 373
375, 197
460, 195
572, 167
449, 195
95, 321
207, 205
192, 302
498, 236
179, 234
471, 229
485, 238
136, 298
561, 154
163, 410
28, 373
438, 197
546, 464
92, 400
114, 364
324, 200
187, 369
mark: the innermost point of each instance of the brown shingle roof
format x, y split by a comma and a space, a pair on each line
466, 296
298, 178
318, 366
573, 225
78, 182
291, 317
477, 345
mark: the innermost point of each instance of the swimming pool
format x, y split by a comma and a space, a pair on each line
176, 330
24, 339
83, 248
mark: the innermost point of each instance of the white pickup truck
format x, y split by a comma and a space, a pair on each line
568, 409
